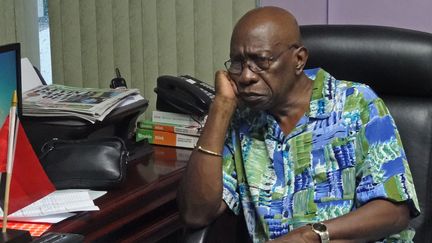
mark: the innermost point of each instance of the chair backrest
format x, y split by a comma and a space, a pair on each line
397, 64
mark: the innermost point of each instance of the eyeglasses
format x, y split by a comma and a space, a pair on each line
256, 64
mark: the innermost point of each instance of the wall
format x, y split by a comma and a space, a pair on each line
415, 14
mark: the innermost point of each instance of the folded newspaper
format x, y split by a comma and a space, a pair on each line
91, 104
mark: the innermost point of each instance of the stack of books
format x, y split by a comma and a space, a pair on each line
171, 129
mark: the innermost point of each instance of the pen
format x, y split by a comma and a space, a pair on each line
13, 125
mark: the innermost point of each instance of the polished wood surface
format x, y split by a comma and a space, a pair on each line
143, 209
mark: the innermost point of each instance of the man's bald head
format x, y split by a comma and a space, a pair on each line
267, 21
267, 59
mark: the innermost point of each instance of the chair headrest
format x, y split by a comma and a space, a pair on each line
379, 56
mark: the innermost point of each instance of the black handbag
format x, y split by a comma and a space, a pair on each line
98, 163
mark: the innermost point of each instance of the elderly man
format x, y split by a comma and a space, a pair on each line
304, 157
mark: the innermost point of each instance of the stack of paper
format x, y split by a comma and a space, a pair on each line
91, 104
57, 206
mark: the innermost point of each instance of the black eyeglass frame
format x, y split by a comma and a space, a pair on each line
264, 65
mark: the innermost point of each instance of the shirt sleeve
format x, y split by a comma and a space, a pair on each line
383, 171
230, 183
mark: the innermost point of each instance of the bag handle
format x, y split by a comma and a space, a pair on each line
48, 147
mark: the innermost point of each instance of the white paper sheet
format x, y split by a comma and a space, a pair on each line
29, 77
52, 219
57, 206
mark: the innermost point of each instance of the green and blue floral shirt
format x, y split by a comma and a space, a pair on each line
344, 152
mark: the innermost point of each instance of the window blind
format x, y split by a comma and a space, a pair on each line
19, 23
143, 38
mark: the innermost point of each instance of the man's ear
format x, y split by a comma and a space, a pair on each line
301, 58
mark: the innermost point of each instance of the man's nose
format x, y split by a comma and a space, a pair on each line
247, 76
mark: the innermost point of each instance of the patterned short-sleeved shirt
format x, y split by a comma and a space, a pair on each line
344, 152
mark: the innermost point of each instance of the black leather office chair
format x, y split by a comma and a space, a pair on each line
397, 64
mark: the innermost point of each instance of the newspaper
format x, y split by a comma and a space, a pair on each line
91, 104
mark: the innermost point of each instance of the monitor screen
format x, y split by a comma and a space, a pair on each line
10, 78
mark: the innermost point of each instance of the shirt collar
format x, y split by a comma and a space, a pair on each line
321, 105
324, 87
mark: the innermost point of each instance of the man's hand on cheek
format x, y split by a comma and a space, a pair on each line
225, 87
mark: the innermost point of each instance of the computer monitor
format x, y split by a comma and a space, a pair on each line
10, 78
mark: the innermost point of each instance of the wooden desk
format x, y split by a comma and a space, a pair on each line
143, 209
